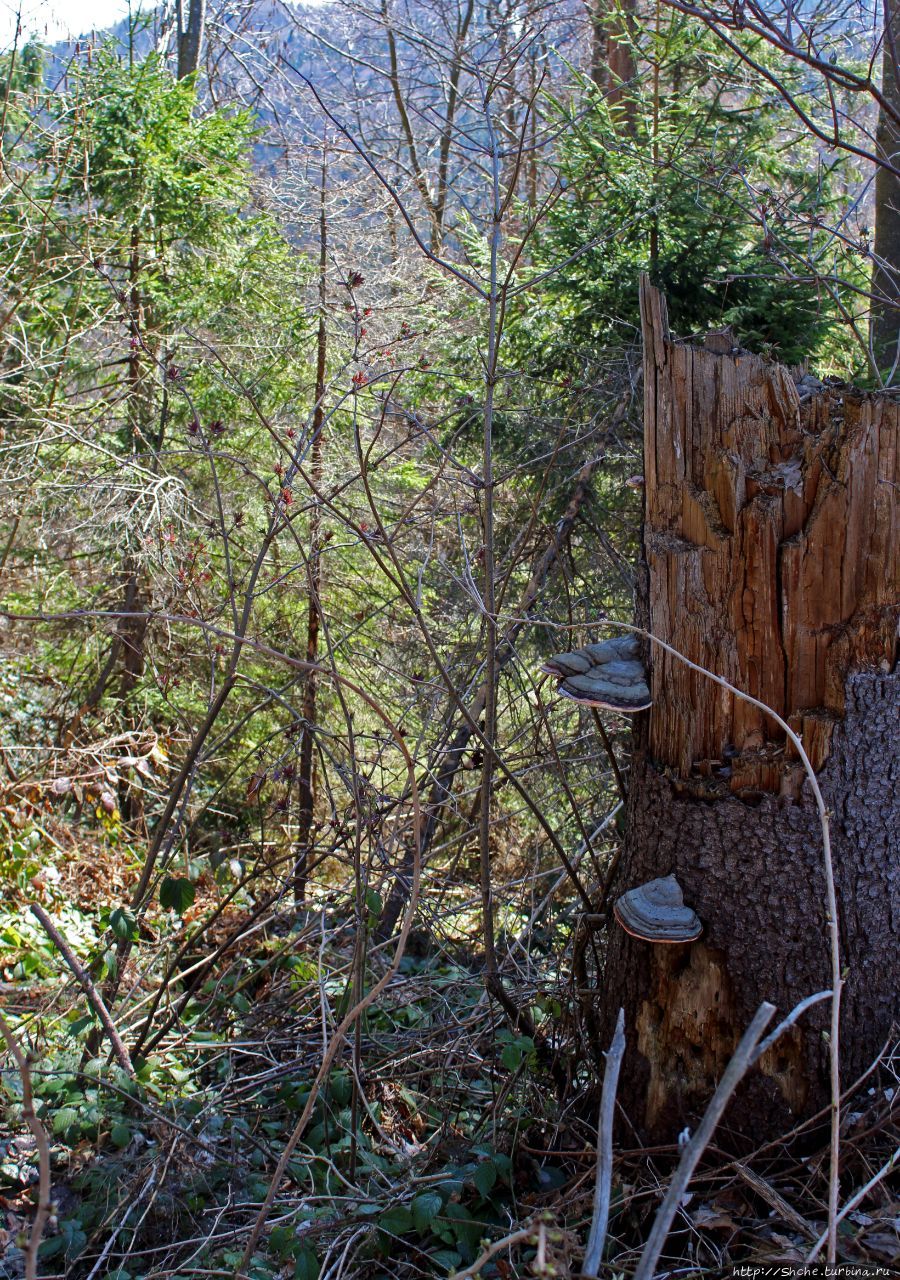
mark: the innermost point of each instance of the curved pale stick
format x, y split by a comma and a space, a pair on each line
43, 1146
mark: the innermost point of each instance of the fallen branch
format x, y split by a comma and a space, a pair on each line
597, 1238
775, 1201
84, 981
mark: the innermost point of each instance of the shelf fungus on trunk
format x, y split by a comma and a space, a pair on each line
656, 912
609, 674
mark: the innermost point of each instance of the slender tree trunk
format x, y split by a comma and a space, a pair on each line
419, 172
771, 558
307, 737
449, 126
613, 67
133, 627
622, 68
126, 657
189, 36
885, 318
492, 980
531, 167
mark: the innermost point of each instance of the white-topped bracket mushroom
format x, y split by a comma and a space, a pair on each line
656, 912
610, 674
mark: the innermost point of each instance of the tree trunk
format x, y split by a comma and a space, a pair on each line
771, 559
132, 636
314, 600
885, 319
613, 66
189, 36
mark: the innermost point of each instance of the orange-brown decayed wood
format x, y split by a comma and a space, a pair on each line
772, 550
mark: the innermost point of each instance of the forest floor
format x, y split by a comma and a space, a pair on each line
437, 1133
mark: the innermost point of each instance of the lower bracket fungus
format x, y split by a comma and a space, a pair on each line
655, 912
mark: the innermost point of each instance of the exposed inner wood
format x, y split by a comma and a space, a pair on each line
687, 1030
771, 536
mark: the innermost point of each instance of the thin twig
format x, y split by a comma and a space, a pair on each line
854, 1200
597, 1238
516, 1237
154, 1173
340, 1033
775, 1201
795, 1013
83, 979
608, 748
29, 1115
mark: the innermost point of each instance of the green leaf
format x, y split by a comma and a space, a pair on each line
449, 1259
176, 893
511, 1057
457, 1212
315, 1138
484, 1177
397, 1221
306, 1266
120, 1134
424, 1209
340, 1088
516, 1051
281, 1241
75, 1238
64, 1118
374, 903
122, 922
467, 1231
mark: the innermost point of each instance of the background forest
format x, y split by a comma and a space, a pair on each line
320, 431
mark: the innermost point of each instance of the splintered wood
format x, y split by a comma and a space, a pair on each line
773, 554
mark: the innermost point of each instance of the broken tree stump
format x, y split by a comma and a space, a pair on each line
771, 558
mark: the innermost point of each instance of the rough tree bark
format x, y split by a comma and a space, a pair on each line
771, 558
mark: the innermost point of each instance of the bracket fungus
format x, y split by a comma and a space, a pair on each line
609, 674
655, 912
